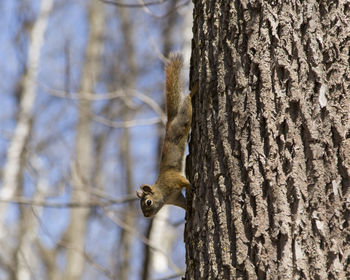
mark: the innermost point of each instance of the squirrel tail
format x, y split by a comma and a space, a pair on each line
173, 85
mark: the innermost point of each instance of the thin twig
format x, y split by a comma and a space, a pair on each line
126, 124
112, 95
145, 5
143, 239
124, 5
109, 202
64, 244
173, 276
148, 11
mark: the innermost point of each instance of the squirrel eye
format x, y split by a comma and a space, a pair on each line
149, 202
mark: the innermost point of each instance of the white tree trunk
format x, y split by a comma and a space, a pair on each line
27, 260
161, 237
14, 165
126, 239
82, 167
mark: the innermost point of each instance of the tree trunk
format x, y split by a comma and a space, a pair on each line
14, 165
22, 256
82, 167
270, 143
126, 239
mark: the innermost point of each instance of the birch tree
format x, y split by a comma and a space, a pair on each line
83, 164
25, 263
128, 83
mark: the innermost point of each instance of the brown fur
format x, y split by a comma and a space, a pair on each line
170, 182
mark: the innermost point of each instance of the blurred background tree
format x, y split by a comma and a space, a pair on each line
82, 116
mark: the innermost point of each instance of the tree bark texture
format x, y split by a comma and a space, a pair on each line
270, 145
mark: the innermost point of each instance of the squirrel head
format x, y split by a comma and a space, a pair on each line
150, 199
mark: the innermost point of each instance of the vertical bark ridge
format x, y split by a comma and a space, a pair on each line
271, 170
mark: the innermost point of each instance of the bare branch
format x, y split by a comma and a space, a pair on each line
148, 11
145, 5
64, 244
142, 5
112, 95
109, 202
142, 238
177, 275
125, 124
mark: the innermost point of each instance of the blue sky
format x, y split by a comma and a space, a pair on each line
53, 138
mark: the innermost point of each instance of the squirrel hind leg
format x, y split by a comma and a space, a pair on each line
180, 125
183, 118
178, 200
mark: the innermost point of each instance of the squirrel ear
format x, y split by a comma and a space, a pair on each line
147, 188
139, 194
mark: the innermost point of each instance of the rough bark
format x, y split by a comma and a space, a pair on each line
270, 143
82, 166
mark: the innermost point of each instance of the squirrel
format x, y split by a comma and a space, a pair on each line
168, 187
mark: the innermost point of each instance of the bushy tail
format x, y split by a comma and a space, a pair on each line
173, 86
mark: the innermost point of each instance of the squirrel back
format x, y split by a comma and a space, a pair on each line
170, 181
